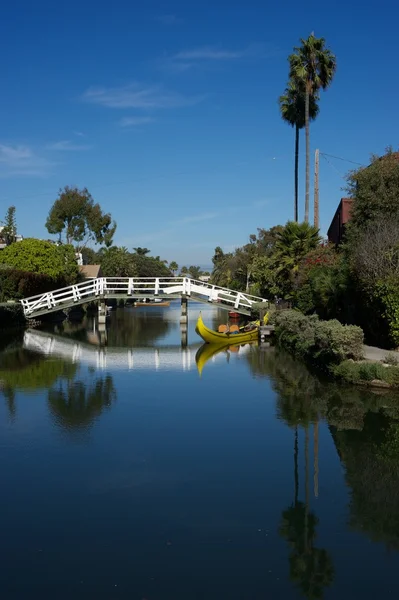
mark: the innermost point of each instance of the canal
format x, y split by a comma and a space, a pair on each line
153, 471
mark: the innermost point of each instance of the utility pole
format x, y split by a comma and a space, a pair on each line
316, 189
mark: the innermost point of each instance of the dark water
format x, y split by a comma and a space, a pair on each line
124, 474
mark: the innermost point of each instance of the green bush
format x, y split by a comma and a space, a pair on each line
15, 284
325, 342
365, 372
45, 258
11, 315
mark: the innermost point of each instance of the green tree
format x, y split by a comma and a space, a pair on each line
75, 216
292, 109
9, 232
118, 262
174, 267
183, 270
194, 271
38, 256
141, 251
313, 65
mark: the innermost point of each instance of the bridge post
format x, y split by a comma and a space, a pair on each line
183, 317
183, 332
102, 312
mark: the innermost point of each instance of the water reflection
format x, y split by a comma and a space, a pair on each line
75, 405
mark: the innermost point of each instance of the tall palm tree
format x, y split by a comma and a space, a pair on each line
292, 109
314, 66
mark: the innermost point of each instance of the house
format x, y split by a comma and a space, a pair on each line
91, 271
342, 215
18, 238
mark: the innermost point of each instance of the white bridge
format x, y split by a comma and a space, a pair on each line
104, 288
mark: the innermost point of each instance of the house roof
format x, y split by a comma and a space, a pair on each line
90, 271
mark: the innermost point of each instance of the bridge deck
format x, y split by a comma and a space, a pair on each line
104, 288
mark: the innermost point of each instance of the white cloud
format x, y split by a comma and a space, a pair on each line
134, 121
21, 160
67, 145
136, 95
79, 133
194, 57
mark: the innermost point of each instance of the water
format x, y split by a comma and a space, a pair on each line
126, 474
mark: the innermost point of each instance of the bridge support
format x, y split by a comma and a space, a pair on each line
183, 317
102, 312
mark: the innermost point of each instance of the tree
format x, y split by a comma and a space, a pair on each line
38, 256
194, 271
141, 251
9, 232
292, 109
174, 267
183, 270
375, 192
313, 66
118, 262
75, 215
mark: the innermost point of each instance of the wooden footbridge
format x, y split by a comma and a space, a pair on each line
104, 288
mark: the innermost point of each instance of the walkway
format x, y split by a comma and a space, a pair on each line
104, 288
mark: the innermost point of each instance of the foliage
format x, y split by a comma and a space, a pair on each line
11, 315
194, 271
391, 359
322, 283
148, 266
173, 266
141, 251
75, 215
353, 372
312, 66
117, 262
9, 231
375, 191
324, 342
46, 258
15, 284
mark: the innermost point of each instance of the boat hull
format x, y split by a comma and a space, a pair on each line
226, 339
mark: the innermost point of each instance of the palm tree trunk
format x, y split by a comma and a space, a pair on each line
296, 170
316, 456
307, 181
296, 477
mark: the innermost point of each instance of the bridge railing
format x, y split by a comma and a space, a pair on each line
104, 287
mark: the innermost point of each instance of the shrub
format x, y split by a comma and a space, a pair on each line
11, 315
353, 372
326, 342
45, 258
391, 359
15, 284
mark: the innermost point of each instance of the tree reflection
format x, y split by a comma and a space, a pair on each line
365, 428
75, 405
26, 371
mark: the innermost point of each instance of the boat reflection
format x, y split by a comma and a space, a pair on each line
207, 352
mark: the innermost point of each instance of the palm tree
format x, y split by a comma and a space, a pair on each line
314, 66
292, 109
173, 266
294, 241
141, 251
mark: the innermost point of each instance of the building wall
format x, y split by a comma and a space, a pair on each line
342, 216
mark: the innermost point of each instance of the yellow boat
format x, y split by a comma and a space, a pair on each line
225, 339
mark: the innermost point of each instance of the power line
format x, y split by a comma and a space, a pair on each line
340, 158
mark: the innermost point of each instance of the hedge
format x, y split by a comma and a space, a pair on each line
16, 284
323, 342
11, 315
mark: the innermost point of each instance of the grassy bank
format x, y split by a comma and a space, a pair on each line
11, 315
333, 347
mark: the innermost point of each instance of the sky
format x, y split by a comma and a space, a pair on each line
167, 112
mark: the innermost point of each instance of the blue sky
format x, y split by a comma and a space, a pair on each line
167, 112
